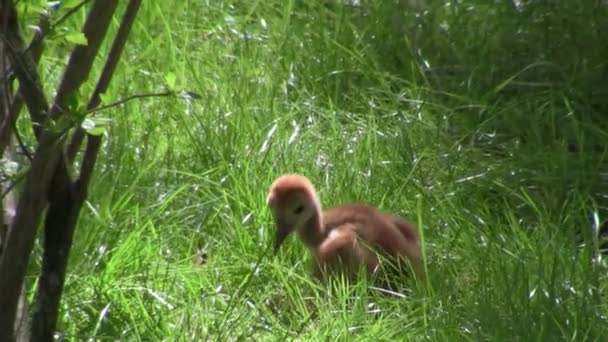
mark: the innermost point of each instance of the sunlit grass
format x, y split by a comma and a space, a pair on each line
419, 115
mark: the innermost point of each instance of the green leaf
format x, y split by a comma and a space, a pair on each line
170, 79
87, 124
106, 98
97, 131
95, 126
76, 38
70, 3
72, 102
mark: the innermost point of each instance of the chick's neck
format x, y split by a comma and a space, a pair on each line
312, 232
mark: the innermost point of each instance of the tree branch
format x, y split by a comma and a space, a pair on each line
106, 73
67, 198
94, 142
81, 60
24, 67
9, 204
9, 198
130, 98
34, 51
22, 232
20, 240
13, 302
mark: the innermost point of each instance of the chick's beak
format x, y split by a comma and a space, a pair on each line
283, 230
271, 199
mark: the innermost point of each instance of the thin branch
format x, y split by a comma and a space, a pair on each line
6, 98
30, 88
17, 102
130, 98
106, 73
82, 57
94, 142
33, 52
25, 70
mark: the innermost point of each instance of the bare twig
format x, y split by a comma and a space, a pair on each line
130, 98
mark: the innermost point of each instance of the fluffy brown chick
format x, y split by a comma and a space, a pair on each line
344, 236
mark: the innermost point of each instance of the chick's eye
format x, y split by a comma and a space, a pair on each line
299, 209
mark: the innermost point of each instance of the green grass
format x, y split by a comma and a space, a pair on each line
459, 119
